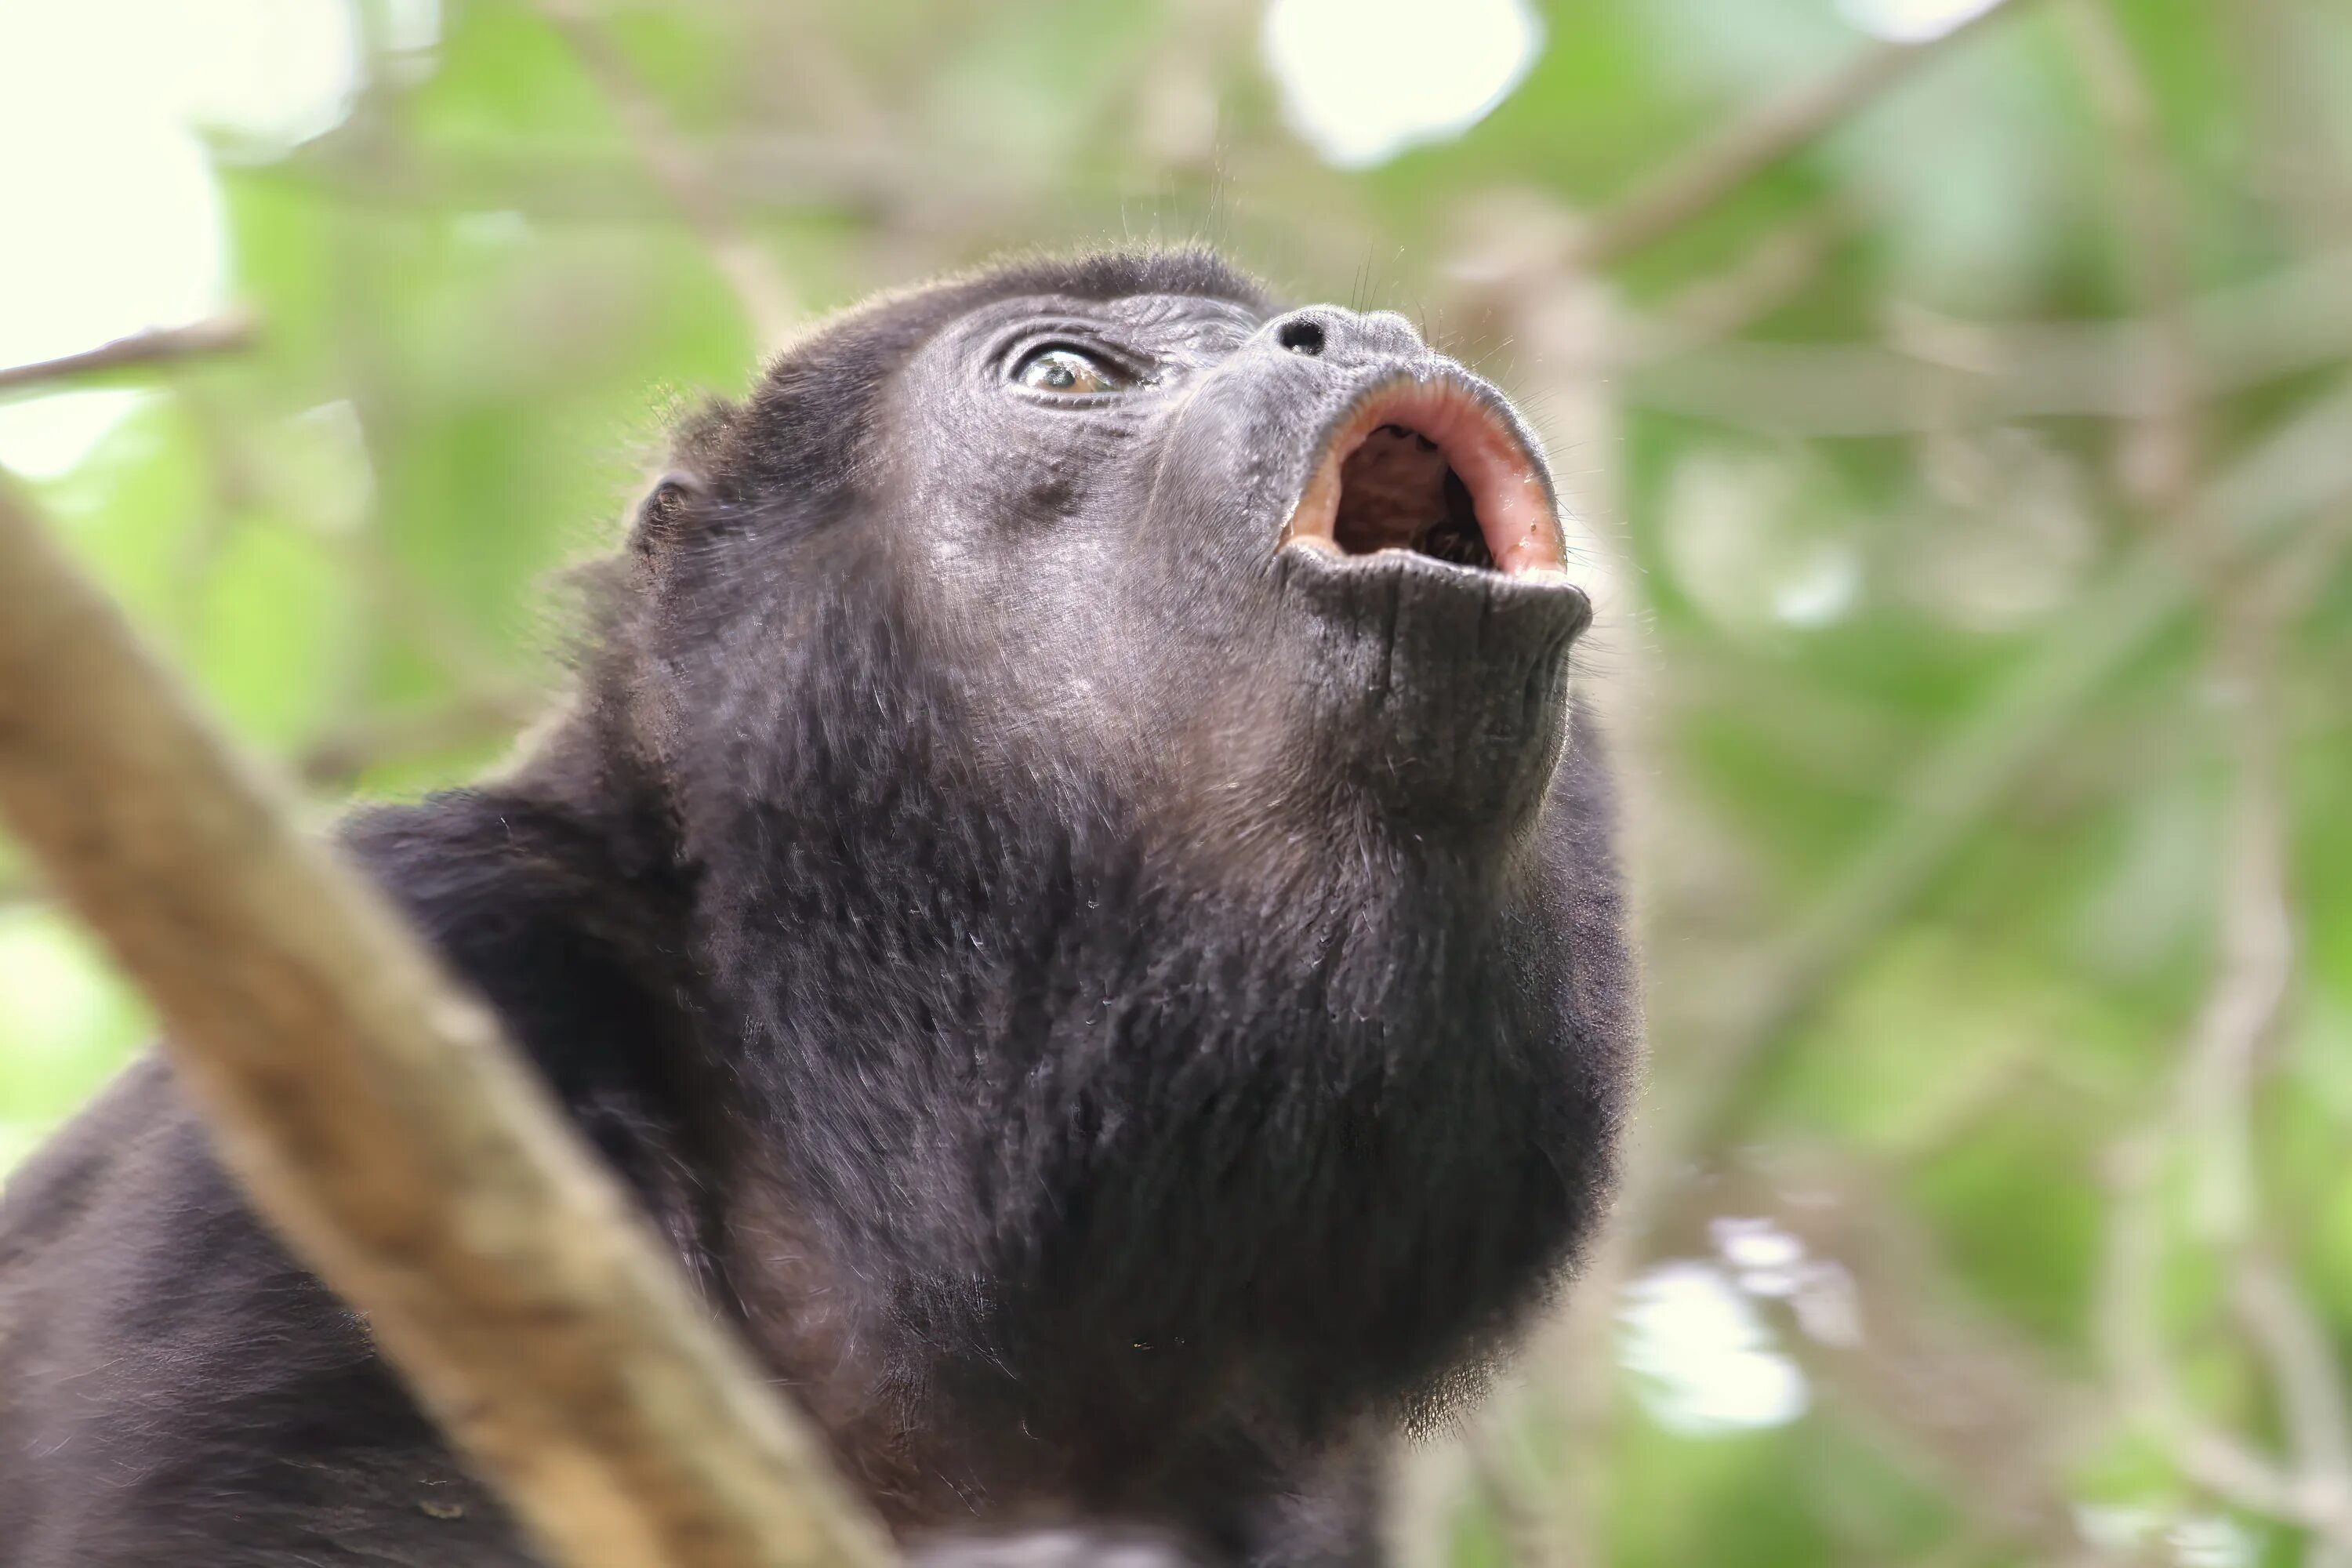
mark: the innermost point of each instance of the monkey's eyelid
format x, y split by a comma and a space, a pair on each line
1109, 373
1018, 354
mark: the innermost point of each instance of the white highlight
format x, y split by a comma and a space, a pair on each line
1702, 1360
1912, 21
108, 187
1754, 1243
1364, 79
1821, 591
2191, 1541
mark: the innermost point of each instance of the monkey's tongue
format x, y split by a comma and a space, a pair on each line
1391, 490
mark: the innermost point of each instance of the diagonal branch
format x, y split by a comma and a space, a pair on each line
1716, 170
377, 1117
220, 334
759, 287
2297, 320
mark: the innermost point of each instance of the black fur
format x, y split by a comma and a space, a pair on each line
1121, 1017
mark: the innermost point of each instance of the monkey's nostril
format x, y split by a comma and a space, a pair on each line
1301, 337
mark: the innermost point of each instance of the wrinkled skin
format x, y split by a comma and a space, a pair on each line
1121, 1016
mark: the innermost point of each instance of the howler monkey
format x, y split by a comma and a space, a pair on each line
1073, 887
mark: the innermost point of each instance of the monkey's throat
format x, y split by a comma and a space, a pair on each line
1396, 492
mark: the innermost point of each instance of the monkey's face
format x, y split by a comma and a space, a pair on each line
1116, 731
1264, 566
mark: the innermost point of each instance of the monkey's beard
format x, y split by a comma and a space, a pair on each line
1084, 1127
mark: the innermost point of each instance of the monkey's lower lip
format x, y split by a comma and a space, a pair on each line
1428, 464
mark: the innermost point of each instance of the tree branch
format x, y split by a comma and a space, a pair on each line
2308, 1379
2130, 1344
336, 758
2162, 464
2295, 321
376, 1117
220, 334
751, 271
1721, 305
1717, 169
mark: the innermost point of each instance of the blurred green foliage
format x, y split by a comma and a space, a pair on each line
1967, 499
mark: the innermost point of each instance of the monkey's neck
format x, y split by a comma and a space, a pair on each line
991, 1125
1080, 1137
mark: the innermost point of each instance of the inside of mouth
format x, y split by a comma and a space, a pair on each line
1398, 492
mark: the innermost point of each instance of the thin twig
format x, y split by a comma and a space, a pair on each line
376, 1116
1725, 304
341, 755
2255, 966
1528, 1514
751, 271
2130, 1287
2288, 87
2297, 320
2163, 462
216, 335
1717, 169
2210, 1116
2308, 1378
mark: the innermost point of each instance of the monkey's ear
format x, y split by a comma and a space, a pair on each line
664, 510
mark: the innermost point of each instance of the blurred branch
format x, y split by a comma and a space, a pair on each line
2289, 584
2162, 463
380, 1122
2285, 52
2308, 1376
1769, 275
2297, 320
2214, 1110
220, 334
1717, 169
2255, 966
2130, 1290
759, 284
561, 183
2211, 1117
339, 757
1525, 1510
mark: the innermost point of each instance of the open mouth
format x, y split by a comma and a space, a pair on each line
1431, 468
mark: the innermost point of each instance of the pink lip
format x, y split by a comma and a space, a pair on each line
1506, 487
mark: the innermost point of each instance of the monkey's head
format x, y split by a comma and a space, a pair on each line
1117, 732
1277, 576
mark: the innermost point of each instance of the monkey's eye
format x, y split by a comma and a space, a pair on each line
1069, 372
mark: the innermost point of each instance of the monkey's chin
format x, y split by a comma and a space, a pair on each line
1429, 461
1437, 692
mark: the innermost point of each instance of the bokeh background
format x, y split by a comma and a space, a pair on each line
1957, 401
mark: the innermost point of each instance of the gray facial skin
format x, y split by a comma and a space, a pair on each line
1244, 678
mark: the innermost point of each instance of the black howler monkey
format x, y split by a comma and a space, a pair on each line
1073, 887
